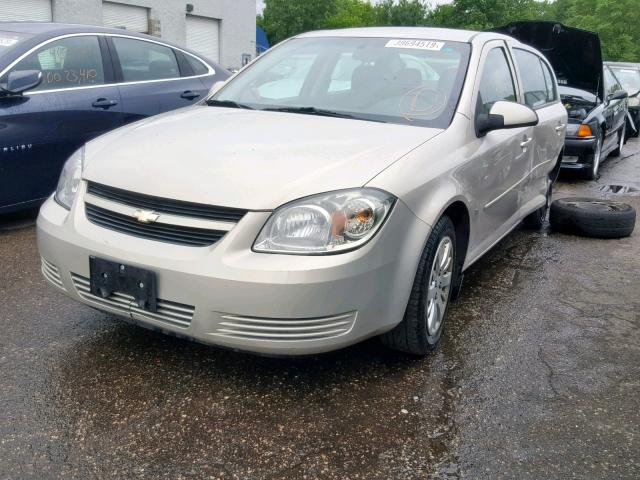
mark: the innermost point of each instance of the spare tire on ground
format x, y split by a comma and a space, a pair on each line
592, 217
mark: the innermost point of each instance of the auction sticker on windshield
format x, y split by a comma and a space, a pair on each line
416, 44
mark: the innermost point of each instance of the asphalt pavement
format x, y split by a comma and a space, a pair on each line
537, 376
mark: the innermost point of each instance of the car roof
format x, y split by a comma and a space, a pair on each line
423, 33
44, 30
38, 28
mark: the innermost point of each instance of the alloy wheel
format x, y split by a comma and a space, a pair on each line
439, 286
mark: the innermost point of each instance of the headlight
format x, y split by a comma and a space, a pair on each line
572, 129
70, 179
326, 223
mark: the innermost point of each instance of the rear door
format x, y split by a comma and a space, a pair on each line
539, 92
41, 128
153, 77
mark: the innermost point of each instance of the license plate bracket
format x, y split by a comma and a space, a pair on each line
107, 277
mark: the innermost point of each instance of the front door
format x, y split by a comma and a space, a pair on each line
615, 111
501, 161
41, 128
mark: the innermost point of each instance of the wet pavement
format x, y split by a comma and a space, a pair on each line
538, 376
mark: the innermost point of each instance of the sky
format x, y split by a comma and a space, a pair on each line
260, 3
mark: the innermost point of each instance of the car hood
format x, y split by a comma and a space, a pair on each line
248, 159
575, 54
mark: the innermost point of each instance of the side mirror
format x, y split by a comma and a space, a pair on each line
504, 115
20, 81
619, 95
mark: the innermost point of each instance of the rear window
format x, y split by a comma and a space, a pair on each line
198, 67
10, 40
141, 61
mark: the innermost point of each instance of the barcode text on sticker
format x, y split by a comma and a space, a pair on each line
417, 44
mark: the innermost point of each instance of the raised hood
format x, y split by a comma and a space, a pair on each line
575, 54
248, 159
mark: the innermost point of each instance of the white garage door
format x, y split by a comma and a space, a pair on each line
132, 18
25, 10
203, 36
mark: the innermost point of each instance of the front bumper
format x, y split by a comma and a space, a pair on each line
226, 294
578, 152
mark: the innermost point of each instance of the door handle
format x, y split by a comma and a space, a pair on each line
104, 103
560, 127
189, 95
525, 143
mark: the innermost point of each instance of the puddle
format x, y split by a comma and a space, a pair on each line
620, 190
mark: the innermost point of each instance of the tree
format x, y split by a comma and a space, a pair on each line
616, 21
351, 13
483, 14
282, 19
402, 12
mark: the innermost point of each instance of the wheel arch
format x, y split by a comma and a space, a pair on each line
458, 212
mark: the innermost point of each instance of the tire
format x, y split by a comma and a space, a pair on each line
621, 138
535, 220
413, 334
596, 158
592, 217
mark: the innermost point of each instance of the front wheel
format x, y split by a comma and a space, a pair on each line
592, 172
423, 322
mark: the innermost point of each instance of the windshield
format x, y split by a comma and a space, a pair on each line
415, 82
629, 78
9, 40
576, 93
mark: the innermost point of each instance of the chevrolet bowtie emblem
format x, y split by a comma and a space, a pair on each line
146, 216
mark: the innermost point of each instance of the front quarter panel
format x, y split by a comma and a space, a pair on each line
429, 178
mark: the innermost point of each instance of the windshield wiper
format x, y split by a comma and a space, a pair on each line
212, 102
313, 111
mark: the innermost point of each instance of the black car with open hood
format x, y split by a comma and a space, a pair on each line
595, 101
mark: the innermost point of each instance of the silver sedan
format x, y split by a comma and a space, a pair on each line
333, 190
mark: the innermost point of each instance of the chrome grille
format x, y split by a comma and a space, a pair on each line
160, 232
166, 205
284, 329
51, 273
176, 314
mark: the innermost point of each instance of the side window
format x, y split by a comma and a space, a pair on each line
610, 82
532, 76
496, 82
142, 60
199, 68
552, 91
66, 63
